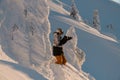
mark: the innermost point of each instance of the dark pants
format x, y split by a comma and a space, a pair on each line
57, 51
59, 55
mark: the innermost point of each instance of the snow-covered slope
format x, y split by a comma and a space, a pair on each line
21, 32
116, 1
25, 51
108, 12
102, 54
24, 38
12, 71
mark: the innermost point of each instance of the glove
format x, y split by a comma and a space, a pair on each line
64, 40
69, 38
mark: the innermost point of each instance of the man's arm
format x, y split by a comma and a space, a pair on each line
64, 40
55, 40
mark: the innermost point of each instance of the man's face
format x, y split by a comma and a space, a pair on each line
61, 33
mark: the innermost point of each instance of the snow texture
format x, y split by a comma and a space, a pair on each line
25, 44
26, 50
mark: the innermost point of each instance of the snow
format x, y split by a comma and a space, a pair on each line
26, 50
4, 57
23, 43
12, 71
58, 8
74, 55
20, 45
85, 27
102, 52
117, 1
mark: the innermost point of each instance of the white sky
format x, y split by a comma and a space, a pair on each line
117, 1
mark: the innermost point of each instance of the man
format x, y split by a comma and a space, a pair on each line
57, 46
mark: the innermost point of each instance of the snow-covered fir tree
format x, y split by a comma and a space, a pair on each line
74, 12
96, 20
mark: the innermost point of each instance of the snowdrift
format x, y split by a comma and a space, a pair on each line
26, 50
24, 38
102, 51
25, 35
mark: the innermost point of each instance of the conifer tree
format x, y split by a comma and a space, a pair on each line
96, 20
74, 12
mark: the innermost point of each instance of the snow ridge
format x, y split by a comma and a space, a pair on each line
28, 32
75, 55
24, 38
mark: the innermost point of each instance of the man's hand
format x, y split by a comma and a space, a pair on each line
64, 40
69, 38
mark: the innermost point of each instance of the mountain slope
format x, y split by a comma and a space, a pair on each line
116, 1
20, 33
108, 12
12, 71
24, 38
102, 56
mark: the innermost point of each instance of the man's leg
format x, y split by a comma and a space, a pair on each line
59, 59
64, 60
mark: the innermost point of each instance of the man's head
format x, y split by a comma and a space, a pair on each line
59, 30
